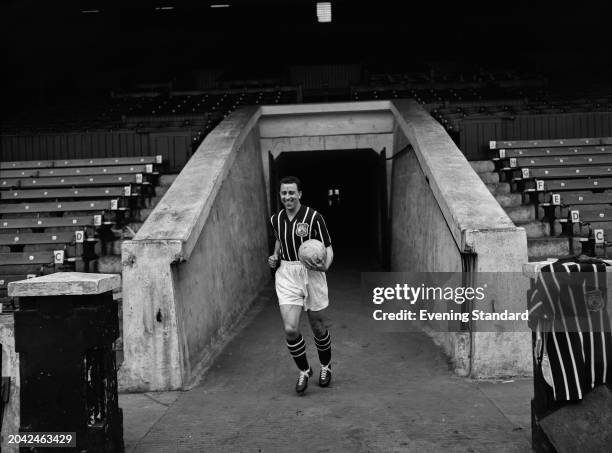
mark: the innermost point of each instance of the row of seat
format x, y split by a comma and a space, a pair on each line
452, 118
117, 113
568, 181
442, 96
433, 77
209, 102
75, 171
71, 181
68, 163
53, 223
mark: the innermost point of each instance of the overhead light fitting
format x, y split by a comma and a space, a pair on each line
90, 11
324, 12
163, 8
220, 5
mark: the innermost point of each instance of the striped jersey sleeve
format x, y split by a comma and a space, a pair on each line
320, 230
274, 222
540, 302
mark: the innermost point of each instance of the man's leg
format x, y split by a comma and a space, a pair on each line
323, 342
295, 343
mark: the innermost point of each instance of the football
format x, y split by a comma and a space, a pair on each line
312, 253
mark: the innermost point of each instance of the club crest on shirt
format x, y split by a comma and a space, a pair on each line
301, 229
594, 300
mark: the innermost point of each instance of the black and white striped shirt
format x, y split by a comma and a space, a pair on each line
570, 298
306, 224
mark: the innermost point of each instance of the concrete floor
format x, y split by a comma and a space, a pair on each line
391, 392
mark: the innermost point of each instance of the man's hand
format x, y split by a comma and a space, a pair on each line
321, 267
273, 261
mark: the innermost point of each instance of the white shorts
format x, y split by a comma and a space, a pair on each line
296, 285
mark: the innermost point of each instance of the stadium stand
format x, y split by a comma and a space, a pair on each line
555, 189
451, 98
53, 220
150, 110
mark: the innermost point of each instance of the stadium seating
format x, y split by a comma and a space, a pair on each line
563, 186
86, 184
200, 110
75, 220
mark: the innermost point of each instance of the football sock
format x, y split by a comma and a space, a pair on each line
324, 348
297, 349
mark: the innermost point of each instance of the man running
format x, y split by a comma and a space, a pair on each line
297, 287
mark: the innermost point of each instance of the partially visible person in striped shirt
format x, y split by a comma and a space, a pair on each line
568, 310
297, 287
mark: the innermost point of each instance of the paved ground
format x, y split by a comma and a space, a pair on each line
391, 392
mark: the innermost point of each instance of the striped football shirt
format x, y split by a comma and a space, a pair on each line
571, 298
306, 224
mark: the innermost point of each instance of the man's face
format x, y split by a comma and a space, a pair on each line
289, 195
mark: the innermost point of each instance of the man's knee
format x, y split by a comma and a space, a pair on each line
291, 331
319, 329
318, 325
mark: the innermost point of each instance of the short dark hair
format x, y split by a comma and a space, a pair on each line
291, 180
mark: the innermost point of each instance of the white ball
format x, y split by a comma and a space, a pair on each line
312, 253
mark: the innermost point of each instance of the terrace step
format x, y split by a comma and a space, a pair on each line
498, 188
509, 200
521, 214
489, 178
536, 229
549, 247
483, 166
166, 180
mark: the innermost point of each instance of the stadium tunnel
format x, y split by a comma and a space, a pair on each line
349, 188
198, 262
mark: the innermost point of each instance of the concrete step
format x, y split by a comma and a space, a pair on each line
575, 246
143, 214
160, 191
111, 248
130, 230
550, 247
536, 229
488, 178
498, 188
483, 166
521, 214
152, 202
110, 264
509, 200
167, 180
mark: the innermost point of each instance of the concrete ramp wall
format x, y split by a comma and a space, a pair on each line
198, 261
440, 209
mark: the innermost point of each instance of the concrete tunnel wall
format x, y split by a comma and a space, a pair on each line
216, 292
440, 209
420, 237
184, 280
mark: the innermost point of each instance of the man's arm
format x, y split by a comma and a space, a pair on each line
273, 259
330, 258
326, 239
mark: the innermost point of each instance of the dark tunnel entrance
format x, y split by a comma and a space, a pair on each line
349, 188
